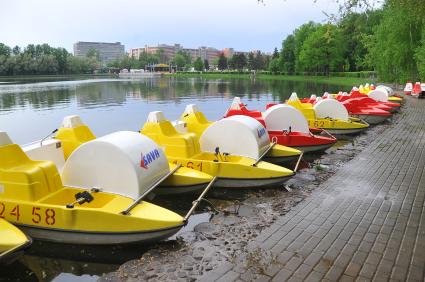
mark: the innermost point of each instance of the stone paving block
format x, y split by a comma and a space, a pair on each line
416, 274
282, 275
346, 278
399, 273
359, 257
272, 269
261, 278
293, 263
323, 266
334, 273
353, 269
284, 257
313, 258
367, 270
303, 270
228, 277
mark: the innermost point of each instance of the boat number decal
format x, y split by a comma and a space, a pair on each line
2, 208
319, 123
48, 216
261, 132
15, 212
191, 165
145, 160
36, 217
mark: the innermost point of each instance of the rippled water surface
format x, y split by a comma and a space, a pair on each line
31, 109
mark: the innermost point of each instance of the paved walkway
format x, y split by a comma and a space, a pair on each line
367, 222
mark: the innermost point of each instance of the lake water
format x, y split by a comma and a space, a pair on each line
31, 109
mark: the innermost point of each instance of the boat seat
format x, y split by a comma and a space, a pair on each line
175, 143
195, 120
24, 178
72, 134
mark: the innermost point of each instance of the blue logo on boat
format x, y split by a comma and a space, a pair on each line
261, 132
145, 160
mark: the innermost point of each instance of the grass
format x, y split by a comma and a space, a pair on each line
336, 80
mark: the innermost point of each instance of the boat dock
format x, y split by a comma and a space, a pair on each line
366, 222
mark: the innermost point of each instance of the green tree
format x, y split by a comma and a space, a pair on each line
323, 50
206, 65
16, 50
5, 50
251, 61
300, 35
93, 53
287, 54
394, 44
180, 61
222, 62
238, 61
275, 53
274, 65
198, 64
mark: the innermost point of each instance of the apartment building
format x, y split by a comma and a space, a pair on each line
107, 51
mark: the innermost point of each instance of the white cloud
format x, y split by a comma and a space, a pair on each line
242, 24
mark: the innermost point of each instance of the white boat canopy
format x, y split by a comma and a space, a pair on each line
5, 139
380, 95
283, 117
237, 135
330, 108
124, 162
386, 89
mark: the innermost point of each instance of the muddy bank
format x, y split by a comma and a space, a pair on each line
228, 236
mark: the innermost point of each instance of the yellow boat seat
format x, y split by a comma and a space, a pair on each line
72, 134
196, 121
25, 179
176, 144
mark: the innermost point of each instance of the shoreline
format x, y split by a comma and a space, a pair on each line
335, 80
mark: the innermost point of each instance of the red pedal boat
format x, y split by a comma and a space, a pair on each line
286, 125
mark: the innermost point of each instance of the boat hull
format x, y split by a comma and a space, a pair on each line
249, 183
98, 238
175, 190
281, 159
15, 254
314, 148
345, 131
373, 119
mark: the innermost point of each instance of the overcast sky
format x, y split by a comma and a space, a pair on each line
242, 24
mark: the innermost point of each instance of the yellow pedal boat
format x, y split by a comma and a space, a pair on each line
194, 121
12, 240
102, 200
73, 133
333, 118
210, 154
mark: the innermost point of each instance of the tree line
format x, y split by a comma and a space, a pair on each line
389, 40
44, 59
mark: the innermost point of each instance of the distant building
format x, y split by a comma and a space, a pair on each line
135, 52
107, 51
170, 51
208, 53
228, 52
